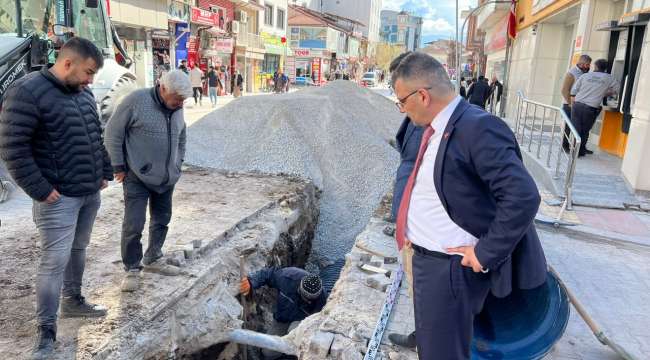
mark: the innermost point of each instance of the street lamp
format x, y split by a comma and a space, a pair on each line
459, 46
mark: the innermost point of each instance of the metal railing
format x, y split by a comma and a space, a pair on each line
546, 132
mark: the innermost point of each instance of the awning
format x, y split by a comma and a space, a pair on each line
639, 18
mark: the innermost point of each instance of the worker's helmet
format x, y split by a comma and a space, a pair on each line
310, 287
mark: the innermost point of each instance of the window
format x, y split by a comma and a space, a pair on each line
271, 63
268, 15
280, 20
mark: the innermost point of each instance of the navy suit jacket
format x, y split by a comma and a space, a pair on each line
481, 180
408, 140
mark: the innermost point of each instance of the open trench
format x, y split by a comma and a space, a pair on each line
197, 321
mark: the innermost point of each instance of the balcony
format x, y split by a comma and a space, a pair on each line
490, 14
250, 40
248, 4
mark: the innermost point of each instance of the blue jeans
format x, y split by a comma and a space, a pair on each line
64, 228
212, 91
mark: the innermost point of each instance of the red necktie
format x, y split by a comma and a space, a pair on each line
406, 197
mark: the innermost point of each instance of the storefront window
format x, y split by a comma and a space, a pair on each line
271, 63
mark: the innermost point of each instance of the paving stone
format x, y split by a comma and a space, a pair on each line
378, 281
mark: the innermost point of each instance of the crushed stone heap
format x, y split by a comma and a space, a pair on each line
336, 135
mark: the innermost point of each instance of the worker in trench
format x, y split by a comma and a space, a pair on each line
300, 294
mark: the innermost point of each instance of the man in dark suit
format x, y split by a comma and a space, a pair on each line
467, 210
479, 92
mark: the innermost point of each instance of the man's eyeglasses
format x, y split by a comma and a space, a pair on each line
401, 102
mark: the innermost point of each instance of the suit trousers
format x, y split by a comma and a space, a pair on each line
583, 118
447, 297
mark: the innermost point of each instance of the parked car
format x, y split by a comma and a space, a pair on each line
304, 81
369, 79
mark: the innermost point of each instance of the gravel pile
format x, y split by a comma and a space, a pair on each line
336, 135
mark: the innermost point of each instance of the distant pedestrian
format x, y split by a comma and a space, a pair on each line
463, 89
147, 159
589, 91
183, 67
50, 140
196, 77
214, 83
239, 84
570, 78
479, 92
496, 90
280, 81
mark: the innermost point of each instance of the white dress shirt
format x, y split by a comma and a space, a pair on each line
428, 225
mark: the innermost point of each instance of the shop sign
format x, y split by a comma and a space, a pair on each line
178, 12
192, 45
497, 38
270, 39
222, 45
302, 52
290, 68
204, 17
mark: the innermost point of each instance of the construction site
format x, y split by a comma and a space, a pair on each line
301, 179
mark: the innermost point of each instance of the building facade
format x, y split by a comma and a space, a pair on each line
143, 29
552, 34
401, 28
273, 32
367, 12
322, 46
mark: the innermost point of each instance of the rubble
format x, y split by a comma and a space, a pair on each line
336, 136
217, 216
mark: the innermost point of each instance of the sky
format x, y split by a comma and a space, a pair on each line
437, 15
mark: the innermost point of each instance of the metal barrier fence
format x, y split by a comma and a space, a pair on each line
547, 133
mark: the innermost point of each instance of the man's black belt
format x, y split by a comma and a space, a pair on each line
423, 251
590, 107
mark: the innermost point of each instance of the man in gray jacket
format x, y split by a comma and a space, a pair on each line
145, 139
589, 91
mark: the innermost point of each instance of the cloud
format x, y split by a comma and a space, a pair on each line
438, 16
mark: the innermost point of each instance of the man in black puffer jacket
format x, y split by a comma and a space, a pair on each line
51, 142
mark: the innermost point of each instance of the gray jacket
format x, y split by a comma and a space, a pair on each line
147, 138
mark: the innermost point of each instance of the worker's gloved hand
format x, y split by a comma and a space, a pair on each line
245, 286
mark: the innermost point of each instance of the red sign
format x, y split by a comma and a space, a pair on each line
204, 17
497, 39
222, 45
302, 52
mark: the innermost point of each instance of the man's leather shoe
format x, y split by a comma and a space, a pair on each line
407, 341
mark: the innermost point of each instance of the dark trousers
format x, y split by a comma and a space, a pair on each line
198, 94
136, 197
447, 296
566, 108
583, 118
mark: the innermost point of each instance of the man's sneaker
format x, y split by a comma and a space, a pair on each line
76, 306
131, 281
45, 343
407, 341
161, 268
